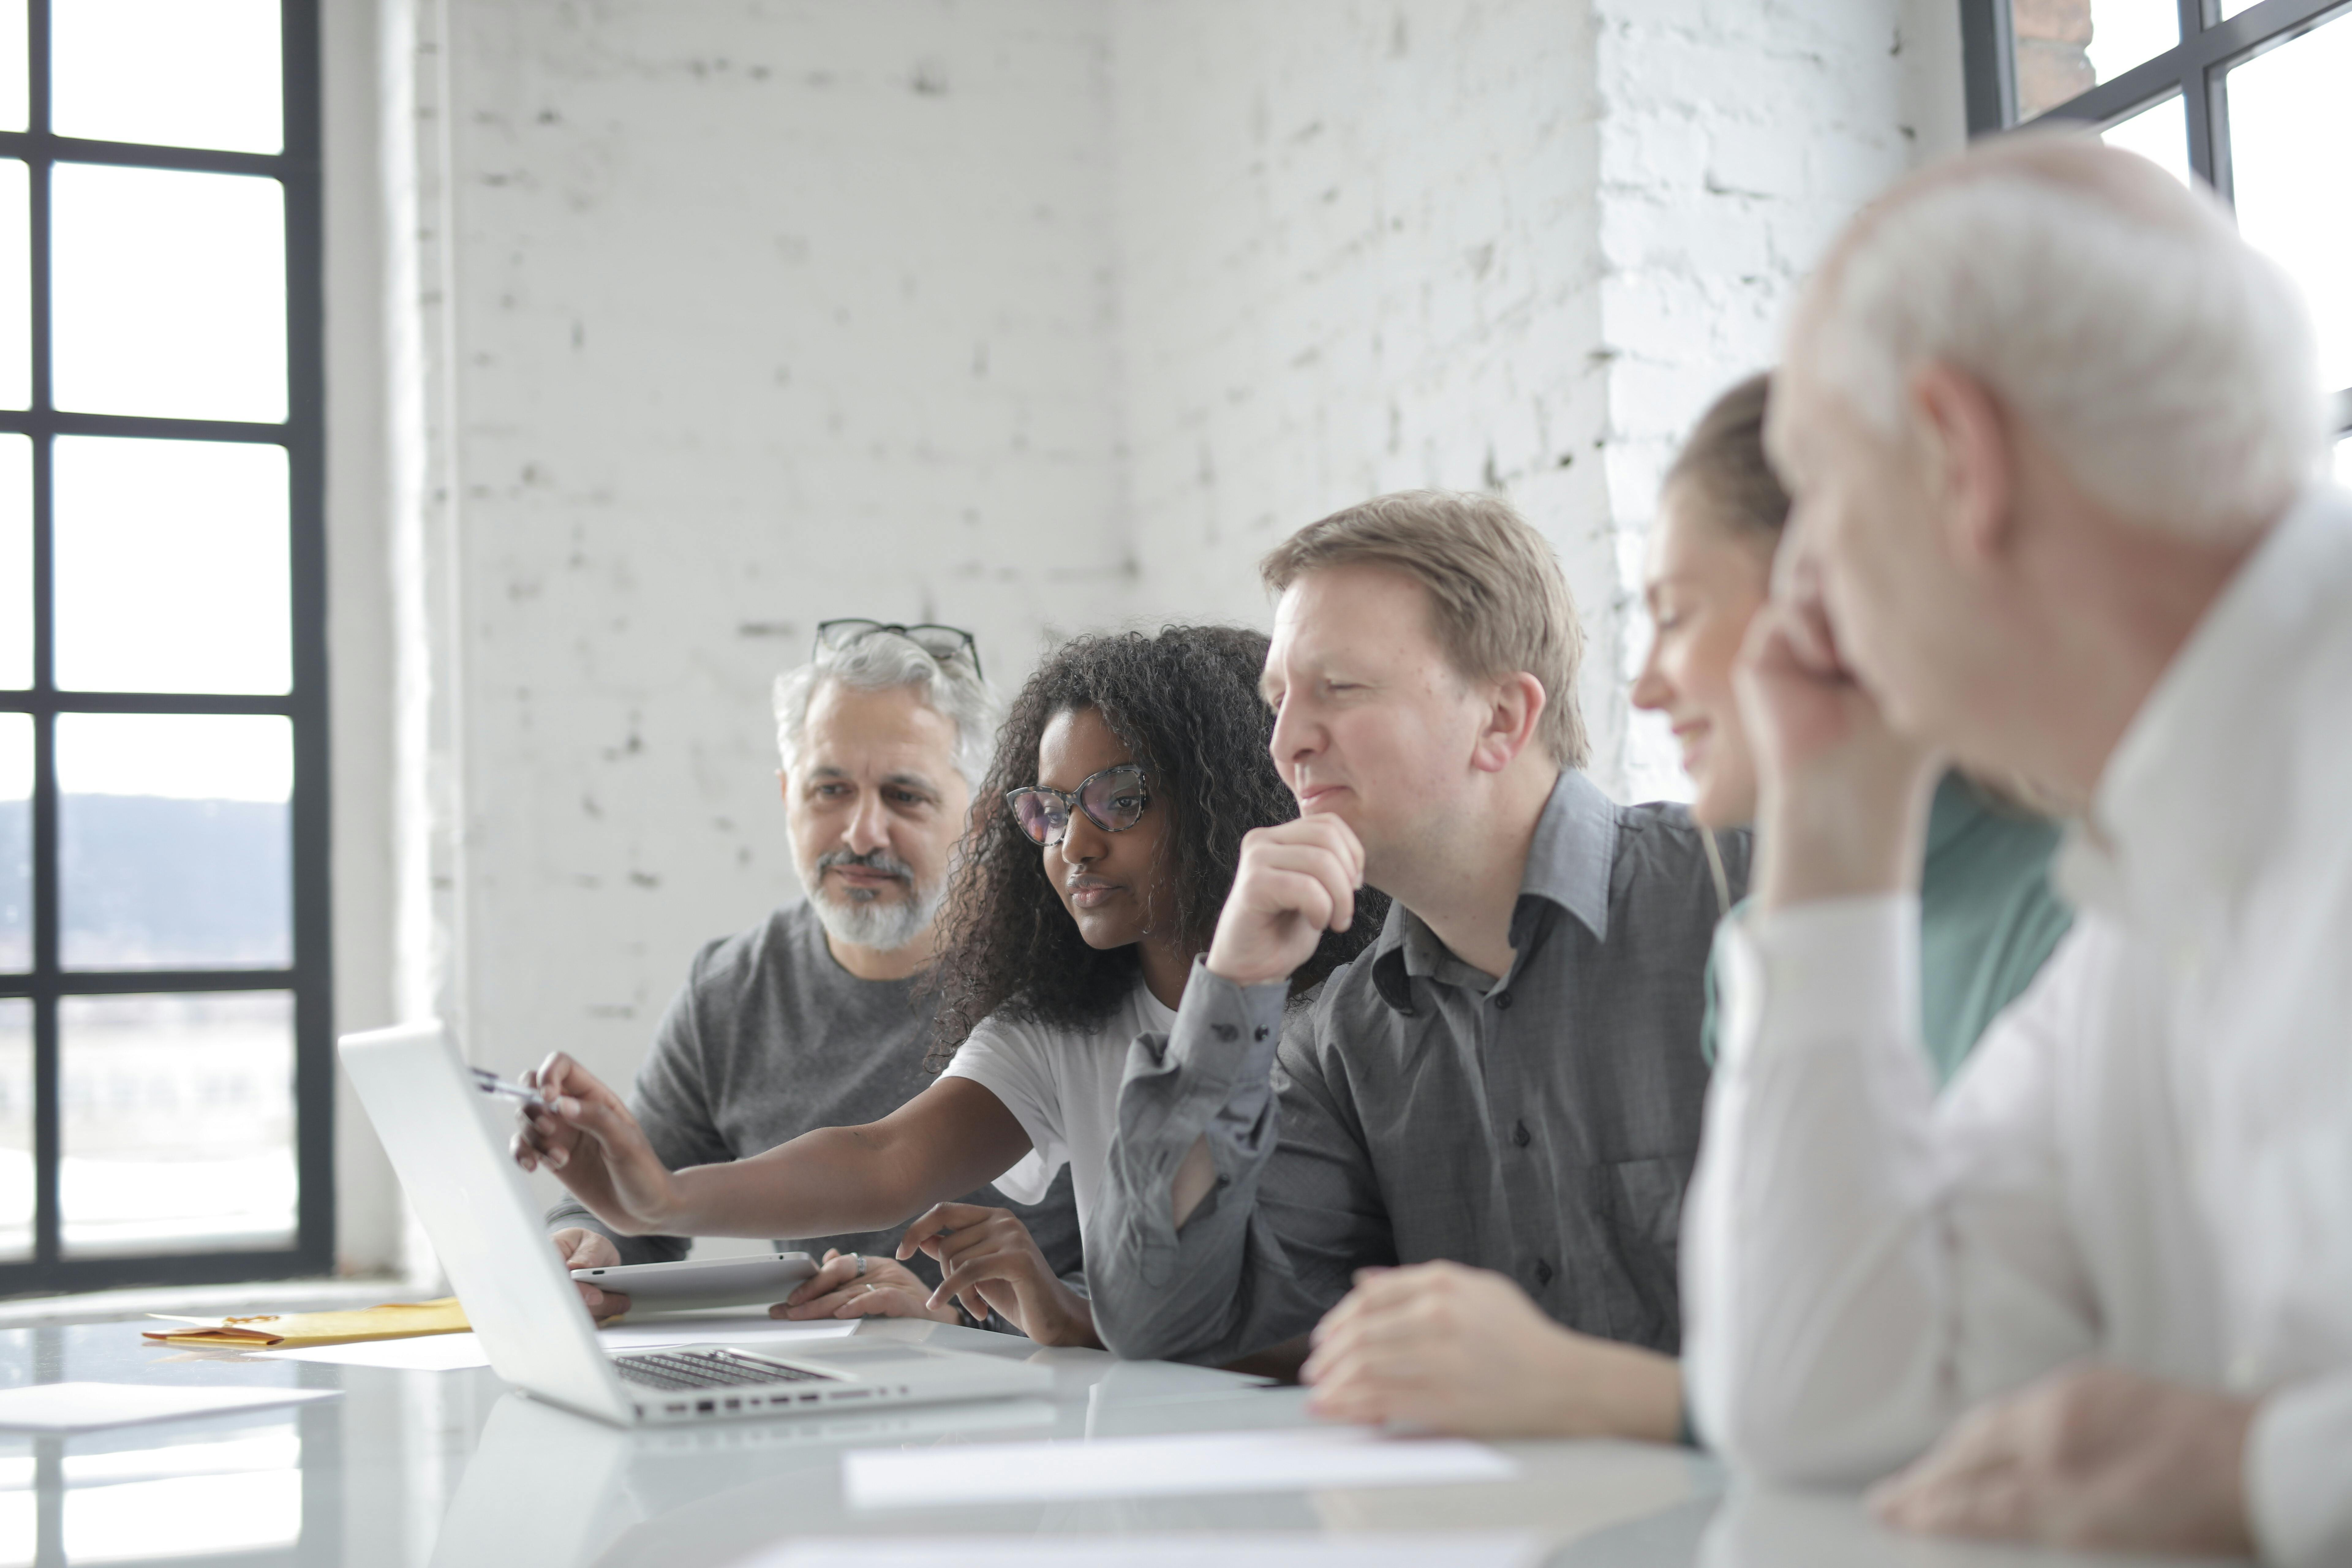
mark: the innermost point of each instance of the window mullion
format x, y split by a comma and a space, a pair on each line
2201, 100
47, 1122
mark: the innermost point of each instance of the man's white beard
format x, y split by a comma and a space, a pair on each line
872, 922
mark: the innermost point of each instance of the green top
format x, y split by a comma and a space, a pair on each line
1987, 920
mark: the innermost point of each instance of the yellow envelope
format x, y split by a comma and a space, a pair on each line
294, 1331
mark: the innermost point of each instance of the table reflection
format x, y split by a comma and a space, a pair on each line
181, 1489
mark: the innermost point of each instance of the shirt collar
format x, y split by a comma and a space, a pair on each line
1570, 862
2166, 829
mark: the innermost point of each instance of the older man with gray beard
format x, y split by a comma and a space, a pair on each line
812, 1018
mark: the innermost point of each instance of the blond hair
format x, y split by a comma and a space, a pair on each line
1496, 599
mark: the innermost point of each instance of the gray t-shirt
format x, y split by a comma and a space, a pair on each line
772, 1039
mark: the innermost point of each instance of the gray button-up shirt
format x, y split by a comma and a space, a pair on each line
1542, 1125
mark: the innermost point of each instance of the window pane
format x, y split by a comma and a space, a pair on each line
2066, 47
178, 1121
172, 840
15, 1128
16, 844
171, 566
170, 293
2158, 133
15, 562
15, 83
15, 286
168, 72
2290, 151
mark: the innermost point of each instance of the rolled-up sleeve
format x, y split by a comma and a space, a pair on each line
1169, 1293
1812, 1278
1861, 1260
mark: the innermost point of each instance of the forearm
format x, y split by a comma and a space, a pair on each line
1815, 1294
1071, 1321
1841, 837
1612, 1390
1201, 1106
830, 1182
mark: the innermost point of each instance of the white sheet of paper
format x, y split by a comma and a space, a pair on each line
425, 1353
1305, 1458
1299, 1550
460, 1352
86, 1406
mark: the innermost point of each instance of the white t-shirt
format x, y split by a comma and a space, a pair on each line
1063, 1087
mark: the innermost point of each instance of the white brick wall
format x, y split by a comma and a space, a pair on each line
1737, 136
762, 313
1356, 254
723, 316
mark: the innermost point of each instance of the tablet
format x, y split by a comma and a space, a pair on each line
703, 1282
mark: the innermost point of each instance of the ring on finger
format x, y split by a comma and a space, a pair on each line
861, 1264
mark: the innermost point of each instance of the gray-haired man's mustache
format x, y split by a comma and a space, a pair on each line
880, 860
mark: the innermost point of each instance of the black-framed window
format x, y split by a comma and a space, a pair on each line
165, 1015
2247, 95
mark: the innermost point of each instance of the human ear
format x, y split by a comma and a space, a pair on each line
1970, 478
1514, 706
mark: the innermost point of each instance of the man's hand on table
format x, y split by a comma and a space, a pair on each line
860, 1285
583, 1248
1841, 799
1464, 1350
2094, 1458
988, 1257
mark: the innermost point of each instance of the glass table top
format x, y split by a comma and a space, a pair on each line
452, 1468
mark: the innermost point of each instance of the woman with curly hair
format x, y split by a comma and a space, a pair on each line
1129, 771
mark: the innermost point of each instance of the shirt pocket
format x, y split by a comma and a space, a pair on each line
1644, 1203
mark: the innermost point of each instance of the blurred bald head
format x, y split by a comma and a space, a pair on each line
2036, 407
2111, 309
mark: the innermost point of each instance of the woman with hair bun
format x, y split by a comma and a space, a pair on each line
1987, 916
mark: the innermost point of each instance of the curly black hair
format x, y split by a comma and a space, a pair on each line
1186, 703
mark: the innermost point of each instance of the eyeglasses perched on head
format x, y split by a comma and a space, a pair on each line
1113, 800
942, 643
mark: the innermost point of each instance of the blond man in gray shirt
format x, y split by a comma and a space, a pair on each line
1509, 1079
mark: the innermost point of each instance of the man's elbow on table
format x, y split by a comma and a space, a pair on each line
1798, 1421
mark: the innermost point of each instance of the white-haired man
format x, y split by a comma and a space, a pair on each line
2054, 435
811, 1019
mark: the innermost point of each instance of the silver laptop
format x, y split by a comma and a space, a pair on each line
447, 1141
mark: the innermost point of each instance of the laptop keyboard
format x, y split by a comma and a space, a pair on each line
674, 1372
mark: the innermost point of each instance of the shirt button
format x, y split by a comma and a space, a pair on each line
1520, 1135
1261, 1033
1543, 1272
1502, 999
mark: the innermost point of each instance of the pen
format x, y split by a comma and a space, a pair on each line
489, 1082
